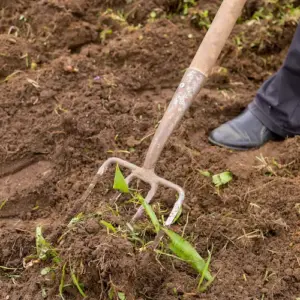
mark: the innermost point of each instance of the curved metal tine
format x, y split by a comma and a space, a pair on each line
116, 160
174, 211
81, 202
179, 201
148, 199
118, 195
176, 208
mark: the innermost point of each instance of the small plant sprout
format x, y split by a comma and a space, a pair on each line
221, 178
205, 173
218, 179
203, 19
112, 294
77, 284
184, 6
33, 65
180, 247
77, 219
43, 248
104, 33
119, 181
46, 270
153, 15
108, 226
62, 281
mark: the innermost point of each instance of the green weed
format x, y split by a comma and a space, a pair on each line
43, 248
77, 219
218, 179
62, 281
108, 226
112, 294
221, 179
184, 6
77, 284
45, 271
104, 33
201, 19
149, 212
119, 181
178, 245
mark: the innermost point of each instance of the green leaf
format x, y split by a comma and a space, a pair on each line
153, 14
222, 178
76, 283
62, 281
205, 173
121, 296
149, 212
44, 293
119, 181
204, 287
184, 250
79, 217
43, 248
45, 271
109, 226
104, 33
111, 294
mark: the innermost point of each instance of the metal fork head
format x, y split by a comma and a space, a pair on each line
151, 178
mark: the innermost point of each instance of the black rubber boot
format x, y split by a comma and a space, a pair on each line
242, 133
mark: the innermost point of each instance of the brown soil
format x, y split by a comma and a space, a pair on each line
68, 99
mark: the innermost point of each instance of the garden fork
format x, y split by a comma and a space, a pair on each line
189, 87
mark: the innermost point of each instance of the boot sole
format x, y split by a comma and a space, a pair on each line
230, 147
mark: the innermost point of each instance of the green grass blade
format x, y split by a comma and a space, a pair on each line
109, 226
200, 287
62, 281
79, 217
76, 283
149, 212
119, 181
2, 204
188, 253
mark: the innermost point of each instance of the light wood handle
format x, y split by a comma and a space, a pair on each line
217, 35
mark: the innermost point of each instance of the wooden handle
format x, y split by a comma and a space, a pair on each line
217, 35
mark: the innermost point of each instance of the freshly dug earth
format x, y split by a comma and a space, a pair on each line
80, 83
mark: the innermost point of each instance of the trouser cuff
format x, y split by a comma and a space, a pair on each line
266, 120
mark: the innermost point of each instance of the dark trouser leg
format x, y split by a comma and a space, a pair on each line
277, 103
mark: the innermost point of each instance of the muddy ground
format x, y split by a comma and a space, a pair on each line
84, 80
